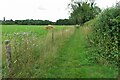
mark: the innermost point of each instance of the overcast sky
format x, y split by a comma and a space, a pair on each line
40, 9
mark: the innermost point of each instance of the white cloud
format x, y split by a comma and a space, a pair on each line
40, 9
105, 3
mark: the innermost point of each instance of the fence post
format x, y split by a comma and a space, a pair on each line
62, 32
9, 57
53, 35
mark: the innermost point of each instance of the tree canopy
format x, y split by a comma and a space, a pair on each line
83, 11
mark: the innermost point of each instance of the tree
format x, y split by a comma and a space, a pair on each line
64, 22
83, 11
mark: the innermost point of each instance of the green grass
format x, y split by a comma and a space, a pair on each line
30, 49
26, 28
72, 62
37, 30
68, 57
10, 30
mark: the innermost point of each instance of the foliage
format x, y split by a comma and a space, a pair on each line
83, 11
64, 22
38, 22
27, 22
106, 34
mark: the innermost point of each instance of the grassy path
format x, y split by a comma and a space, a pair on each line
72, 61
67, 58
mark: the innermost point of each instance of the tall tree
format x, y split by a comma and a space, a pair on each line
82, 11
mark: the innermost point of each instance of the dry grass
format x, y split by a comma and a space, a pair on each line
50, 48
28, 52
86, 30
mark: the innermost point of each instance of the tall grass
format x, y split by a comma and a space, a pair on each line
31, 52
72, 60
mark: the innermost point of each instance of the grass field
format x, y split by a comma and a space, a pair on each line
31, 45
34, 55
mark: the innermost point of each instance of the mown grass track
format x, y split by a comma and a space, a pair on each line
73, 61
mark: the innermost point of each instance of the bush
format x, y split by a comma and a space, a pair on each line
106, 34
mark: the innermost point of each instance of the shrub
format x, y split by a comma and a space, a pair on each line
106, 34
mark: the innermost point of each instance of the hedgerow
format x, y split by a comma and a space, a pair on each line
105, 34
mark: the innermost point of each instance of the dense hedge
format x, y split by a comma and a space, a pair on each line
105, 35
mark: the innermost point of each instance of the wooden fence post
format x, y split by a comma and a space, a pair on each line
62, 32
53, 35
9, 57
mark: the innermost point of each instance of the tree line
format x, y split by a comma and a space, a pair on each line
83, 11
37, 22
